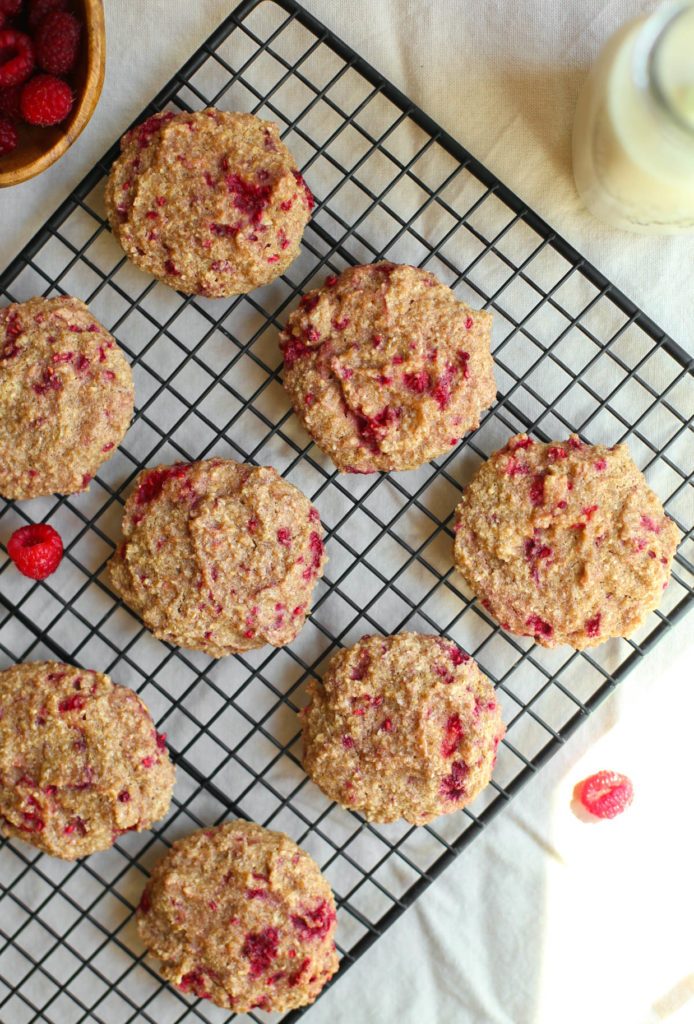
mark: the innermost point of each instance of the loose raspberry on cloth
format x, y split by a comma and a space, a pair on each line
605, 794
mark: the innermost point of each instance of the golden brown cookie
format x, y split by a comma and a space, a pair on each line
80, 760
402, 726
66, 397
210, 202
218, 556
242, 916
565, 541
385, 368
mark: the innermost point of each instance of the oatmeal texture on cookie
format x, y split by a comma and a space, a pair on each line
564, 541
242, 916
211, 202
402, 726
385, 368
218, 556
80, 760
66, 397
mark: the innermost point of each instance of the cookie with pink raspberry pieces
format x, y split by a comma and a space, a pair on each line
385, 368
212, 202
402, 726
564, 541
80, 760
242, 916
66, 397
218, 556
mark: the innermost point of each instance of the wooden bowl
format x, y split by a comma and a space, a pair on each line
40, 147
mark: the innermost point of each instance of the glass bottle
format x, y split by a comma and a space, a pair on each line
633, 139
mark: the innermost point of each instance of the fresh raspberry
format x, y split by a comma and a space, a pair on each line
605, 794
36, 550
9, 102
38, 9
16, 57
46, 100
8, 136
57, 41
10, 7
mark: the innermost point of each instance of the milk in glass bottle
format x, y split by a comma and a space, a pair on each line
633, 140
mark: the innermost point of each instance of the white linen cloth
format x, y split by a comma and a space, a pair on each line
544, 919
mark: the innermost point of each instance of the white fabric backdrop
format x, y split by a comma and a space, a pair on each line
544, 919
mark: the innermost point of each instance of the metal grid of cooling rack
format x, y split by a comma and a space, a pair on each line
571, 352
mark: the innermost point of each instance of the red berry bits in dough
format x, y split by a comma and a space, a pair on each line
403, 726
211, 202
66, 397
218, 556
242, 916
385, 368
36, 550
605, 794
80, 761
564, 542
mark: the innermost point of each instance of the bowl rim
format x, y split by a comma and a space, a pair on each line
96, 67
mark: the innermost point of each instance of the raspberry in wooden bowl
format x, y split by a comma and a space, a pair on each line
53, 75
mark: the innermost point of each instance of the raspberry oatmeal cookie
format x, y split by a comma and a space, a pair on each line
242, 916
80, 760
218, 556
565, 541
66, 397
403, 726
385, 368
210, 202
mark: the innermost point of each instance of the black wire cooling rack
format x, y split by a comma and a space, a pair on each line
571, 352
